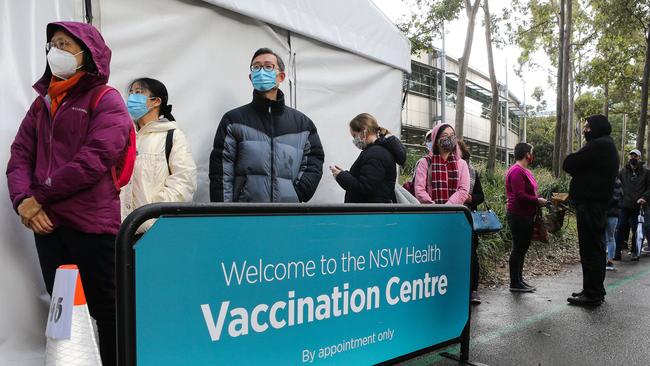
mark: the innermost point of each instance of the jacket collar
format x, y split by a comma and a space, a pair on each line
262, 104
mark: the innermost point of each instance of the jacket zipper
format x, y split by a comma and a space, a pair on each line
272, 154
48, 108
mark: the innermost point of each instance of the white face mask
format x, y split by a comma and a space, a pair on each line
62, 63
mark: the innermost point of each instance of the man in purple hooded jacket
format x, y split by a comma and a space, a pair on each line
59, 173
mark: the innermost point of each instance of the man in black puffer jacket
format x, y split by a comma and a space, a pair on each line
265, 151
593, 170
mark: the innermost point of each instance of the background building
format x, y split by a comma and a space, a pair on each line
422, 106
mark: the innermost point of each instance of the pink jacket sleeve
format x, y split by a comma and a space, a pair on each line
461, 194
421, 182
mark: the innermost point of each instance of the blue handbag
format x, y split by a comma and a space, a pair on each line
486, 221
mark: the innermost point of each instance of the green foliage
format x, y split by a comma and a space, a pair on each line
425, 21
588, 104
541, 134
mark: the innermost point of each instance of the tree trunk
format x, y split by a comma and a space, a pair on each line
606, 99
571, 113
494, 107
558, 104
566, 68
644, 96
463, 65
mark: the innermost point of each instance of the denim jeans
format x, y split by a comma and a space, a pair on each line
610, 237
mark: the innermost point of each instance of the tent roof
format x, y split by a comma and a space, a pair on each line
355, 26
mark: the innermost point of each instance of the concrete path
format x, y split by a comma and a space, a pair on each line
540, 329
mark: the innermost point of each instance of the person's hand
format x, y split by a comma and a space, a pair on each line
28, 209
41, 224
541, 202
469, 199
336, 170
641, 201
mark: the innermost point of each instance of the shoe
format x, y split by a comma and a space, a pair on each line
520, 288
529, 286
576, 294
645, 251
584, 300
609, 266
475, 299
617, 257
634, 258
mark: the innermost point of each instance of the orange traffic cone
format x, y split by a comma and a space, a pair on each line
71, 339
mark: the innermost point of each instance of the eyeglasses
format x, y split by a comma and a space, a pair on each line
60, 43
268, 67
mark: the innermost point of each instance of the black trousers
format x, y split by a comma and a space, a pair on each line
592, 221
521, 228
94, 254
627, 220
475, 268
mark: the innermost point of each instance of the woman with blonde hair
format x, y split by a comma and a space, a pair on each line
371, 179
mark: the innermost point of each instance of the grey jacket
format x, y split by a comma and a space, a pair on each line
265, 152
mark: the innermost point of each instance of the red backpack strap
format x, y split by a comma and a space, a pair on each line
98, 93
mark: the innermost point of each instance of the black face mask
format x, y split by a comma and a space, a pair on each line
634, 162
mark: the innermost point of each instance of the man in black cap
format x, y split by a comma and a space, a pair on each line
635, 180
593, 170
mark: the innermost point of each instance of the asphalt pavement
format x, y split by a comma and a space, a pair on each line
541, 329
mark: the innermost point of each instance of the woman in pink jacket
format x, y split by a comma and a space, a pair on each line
59, 173
442, 177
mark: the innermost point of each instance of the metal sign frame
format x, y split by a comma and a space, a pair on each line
125, 258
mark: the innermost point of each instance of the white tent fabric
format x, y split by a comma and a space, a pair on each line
206, 74
333, 86
357, 26
201, 51
23, 299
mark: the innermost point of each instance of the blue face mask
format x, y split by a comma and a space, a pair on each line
137, 105
263, 80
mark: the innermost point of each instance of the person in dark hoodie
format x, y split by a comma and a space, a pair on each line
59, 172
475, 198
635, 179
371, 178
593, 170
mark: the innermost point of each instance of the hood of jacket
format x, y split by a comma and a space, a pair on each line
91, 40
162, 125
434, 136
599, 126
394, 146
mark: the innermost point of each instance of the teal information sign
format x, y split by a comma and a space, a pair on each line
327, 289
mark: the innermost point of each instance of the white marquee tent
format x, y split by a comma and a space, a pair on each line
344, 57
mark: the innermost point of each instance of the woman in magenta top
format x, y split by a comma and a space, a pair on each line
521, 190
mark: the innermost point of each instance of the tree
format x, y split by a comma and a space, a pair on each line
622, 48
471, 10
541, 136
494, 107
426, 22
